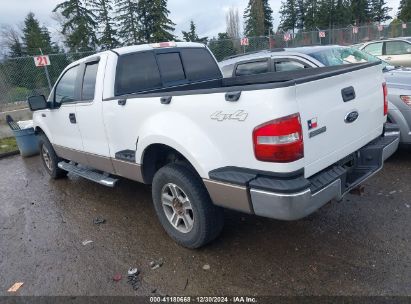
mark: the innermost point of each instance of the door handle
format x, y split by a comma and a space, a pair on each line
122, 102
166, 99
348, 94
72, 118
233, 96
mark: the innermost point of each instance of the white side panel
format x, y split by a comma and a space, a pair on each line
186, 125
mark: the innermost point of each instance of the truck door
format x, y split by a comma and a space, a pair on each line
62, 119
90, 114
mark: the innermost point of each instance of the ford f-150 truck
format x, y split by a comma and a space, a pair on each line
278, 146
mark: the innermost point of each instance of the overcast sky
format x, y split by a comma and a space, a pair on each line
209, 15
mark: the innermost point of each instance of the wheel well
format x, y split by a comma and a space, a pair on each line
38, 130
157, 156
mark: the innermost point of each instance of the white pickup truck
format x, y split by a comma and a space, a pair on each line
278, 146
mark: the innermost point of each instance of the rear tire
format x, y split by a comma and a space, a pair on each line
50, 159
184, 207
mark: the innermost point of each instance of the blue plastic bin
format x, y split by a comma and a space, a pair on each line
27, 142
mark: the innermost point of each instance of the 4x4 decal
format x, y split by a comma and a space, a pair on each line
239, 115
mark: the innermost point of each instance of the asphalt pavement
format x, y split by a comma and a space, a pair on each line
361, 246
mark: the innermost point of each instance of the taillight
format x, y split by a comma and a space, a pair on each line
280, 140
406, 99
384, 87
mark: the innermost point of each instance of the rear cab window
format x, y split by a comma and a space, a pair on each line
158, 69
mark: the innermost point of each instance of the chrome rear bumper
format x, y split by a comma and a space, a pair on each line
332, 183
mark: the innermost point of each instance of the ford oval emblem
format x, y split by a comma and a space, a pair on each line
351, 117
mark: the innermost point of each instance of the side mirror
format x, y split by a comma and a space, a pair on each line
38, 102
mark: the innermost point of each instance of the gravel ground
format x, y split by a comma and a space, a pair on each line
358, 247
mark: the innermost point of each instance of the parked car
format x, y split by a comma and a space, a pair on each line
396, 52
279, 146
398, 79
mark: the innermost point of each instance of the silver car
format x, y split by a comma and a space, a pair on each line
396, 52
282, 60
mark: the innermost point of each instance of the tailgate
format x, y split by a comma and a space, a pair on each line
331, 128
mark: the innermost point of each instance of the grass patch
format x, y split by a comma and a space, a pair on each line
8, 145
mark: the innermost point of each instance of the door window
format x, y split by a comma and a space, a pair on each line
252, 68
89, 81
374, 49
289, 65
397, 48
66, 88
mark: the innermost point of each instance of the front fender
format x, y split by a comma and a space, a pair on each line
39, 123
185, 136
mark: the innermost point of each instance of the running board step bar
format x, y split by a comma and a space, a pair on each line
100, 178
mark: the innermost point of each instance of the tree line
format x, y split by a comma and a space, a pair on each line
91, 25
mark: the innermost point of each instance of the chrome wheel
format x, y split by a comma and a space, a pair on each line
46, 157
177, 208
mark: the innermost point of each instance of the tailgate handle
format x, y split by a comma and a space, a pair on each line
233, 96
348, 94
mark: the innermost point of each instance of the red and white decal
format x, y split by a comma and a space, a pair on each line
41, 61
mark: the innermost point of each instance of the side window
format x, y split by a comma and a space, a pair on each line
66, 88
89, 81
374, 49
199, 64
289, 65
137, 72
397, 48
252, 68
171, 67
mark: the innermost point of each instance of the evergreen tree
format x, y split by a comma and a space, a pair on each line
79, 27
258, 17
103, 9
35, 37
155, 26
289, 15
361, 11
380, 11
222, 47
192, 36
126, 17
404, 12
309, 11
10, 38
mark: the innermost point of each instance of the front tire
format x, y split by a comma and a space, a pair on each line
50, 159
184, 207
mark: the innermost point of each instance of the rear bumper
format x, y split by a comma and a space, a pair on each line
295, 197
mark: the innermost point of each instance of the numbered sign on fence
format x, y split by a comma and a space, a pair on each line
404, 25
355, 30
380, 28
287, 37
321, 34
244, 41
41, 61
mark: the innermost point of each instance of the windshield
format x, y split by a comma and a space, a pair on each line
344, 55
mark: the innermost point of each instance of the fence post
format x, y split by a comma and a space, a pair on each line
47, 72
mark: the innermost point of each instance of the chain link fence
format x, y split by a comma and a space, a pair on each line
341, 36
20, 78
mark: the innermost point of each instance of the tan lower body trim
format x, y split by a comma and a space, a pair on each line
128, 170
229, 196
113, 166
